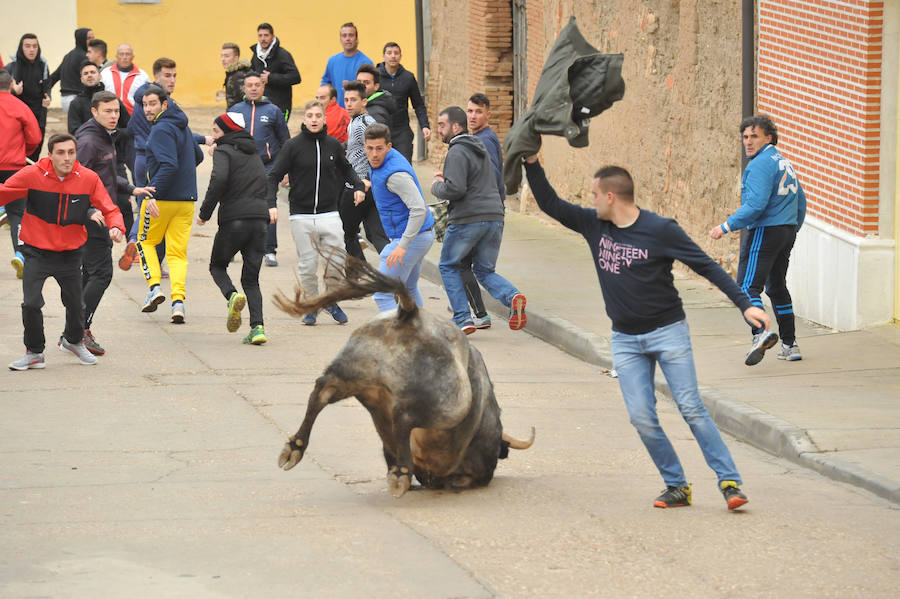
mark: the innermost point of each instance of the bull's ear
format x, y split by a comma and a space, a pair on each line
504, 450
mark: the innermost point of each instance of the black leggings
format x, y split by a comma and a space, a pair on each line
249, 238
765, 253
65, 267
96, 272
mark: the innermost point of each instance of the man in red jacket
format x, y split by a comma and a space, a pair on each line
59, 194
20, 135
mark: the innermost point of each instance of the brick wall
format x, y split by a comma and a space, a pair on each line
819, 78
491, 58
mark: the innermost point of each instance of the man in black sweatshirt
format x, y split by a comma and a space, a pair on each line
403, 86
31, 83
318, 171
69, 71
238, 186
633, 252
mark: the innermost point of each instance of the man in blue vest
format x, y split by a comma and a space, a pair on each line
406, 218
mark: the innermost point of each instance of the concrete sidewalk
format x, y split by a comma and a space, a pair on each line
837, 411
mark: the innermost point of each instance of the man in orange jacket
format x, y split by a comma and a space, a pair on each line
60, 196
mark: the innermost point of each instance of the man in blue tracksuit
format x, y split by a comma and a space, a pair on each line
772, 210
265, 122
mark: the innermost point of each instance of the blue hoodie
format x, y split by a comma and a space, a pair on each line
173, 156
139, 126
770, 193
265, 122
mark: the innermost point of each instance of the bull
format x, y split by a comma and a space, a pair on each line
426, 388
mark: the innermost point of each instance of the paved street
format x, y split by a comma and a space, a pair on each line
153, 474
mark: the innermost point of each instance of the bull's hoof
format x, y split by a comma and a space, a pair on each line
399, 480
290, 455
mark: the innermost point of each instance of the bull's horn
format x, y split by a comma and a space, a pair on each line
516, 443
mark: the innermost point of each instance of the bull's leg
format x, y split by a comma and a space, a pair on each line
399, 476
327, 390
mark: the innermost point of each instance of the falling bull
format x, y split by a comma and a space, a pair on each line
426, 388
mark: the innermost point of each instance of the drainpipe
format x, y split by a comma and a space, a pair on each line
748, 63
420, 69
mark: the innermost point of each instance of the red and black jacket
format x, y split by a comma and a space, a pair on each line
57, 211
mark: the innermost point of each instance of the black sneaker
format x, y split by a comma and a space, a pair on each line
732, 493
674, 497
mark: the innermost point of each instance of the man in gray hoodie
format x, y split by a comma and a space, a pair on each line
476, 221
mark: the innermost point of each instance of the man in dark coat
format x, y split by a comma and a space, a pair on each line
235, 71
69, 71
276, 67
97, 151
379, 103
238, 186
403, 86
31, 83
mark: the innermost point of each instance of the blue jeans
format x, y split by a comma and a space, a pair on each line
408, 272
482, 241
635, 358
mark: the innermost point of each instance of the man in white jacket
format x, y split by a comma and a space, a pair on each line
124, 77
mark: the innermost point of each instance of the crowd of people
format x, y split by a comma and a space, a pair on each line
350, 165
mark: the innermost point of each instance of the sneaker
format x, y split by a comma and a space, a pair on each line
761, 342
129, 256
483, 322
18, 263
337, 314
178, 312
236, 303
674, 497
310, 319
791, 353
467, 327
154, 299
257, 336
732, 493
270, 260
91, 344
29, 360
80, 351
517, 317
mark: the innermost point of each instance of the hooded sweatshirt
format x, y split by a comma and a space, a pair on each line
238, 181
381, 106
34, 76
173, 156
283, 73
318, 172
56, 211
69, 71
266, 125
469, 183
80, 109
97, 151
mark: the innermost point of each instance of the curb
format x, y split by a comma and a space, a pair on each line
744, 422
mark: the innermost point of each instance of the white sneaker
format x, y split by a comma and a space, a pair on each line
761, 342
29, 360
270, 260
791, 353
80, 351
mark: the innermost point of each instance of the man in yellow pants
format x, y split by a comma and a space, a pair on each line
172, 156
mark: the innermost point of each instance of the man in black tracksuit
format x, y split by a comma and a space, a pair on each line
238, 185
380, 104
403, 86
97, 151
276, 67
69, 71
318, 171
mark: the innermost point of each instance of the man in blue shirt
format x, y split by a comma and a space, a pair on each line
772, 210
342, 66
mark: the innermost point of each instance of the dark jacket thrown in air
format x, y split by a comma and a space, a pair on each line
97, 151
238, 181
234, 81
35, 78
404, 88
577, 83
381, 107
80, 110
318, 171
283, 74
173, 156
469, 183
69, 71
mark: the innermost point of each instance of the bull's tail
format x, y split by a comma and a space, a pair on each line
347, 278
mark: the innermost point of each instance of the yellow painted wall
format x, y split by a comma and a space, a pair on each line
53, 21
191, 32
